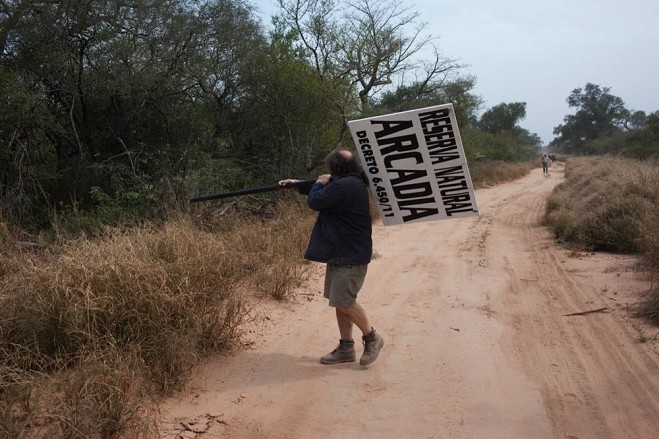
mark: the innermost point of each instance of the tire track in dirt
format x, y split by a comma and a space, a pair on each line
596, 380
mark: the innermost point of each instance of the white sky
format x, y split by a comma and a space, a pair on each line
539, 51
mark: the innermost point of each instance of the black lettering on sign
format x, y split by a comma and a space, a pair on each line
388, 160
391, 127
454, 190
371, 163
405, 176
439, 136
450, 189
398, 143
412, 197
415, 210
433, 118
441, 154
414, 190
411, 187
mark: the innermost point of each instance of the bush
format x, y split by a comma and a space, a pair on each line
606, 204
126, 288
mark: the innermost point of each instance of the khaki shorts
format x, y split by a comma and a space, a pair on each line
342, 283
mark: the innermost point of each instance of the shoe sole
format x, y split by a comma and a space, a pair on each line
347, 360
375, 357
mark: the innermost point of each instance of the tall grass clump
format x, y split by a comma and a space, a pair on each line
10, 255
607, 204
270, 246
279, 255
105, 396
93, 328
169, 290
610, 204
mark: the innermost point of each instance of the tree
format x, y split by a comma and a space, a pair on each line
503, 117
457, 91
368, 44
598, 114
501, 137
642, 140
123, 95
286, 126
636, 120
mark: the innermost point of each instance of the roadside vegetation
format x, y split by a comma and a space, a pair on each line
492, 172
92, 330
611, 203
610, 200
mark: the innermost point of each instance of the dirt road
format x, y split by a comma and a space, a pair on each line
478, 344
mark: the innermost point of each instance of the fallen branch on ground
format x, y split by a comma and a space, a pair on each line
580, 313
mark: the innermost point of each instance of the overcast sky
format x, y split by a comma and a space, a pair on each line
539, 51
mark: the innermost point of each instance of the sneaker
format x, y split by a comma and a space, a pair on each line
344, 353
373, 344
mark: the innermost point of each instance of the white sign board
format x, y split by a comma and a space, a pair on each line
416, 165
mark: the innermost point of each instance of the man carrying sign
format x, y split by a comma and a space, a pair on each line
341, 238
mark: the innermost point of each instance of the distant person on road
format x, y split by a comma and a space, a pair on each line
341, 238
545, 163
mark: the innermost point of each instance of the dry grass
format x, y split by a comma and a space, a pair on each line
92, 329
10, 256
607, 204
105, 396
649, 308
610, 204
272, 251
486, 173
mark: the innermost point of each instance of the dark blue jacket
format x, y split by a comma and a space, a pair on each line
342, 233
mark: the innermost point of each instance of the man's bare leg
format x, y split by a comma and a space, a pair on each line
345, 317
345, 324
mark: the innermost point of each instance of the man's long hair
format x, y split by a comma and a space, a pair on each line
342, 162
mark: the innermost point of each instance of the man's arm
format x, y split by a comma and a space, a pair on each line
291, 184
326, 193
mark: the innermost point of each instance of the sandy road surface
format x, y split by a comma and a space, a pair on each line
477, 343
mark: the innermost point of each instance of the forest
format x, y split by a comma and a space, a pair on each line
124, 109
